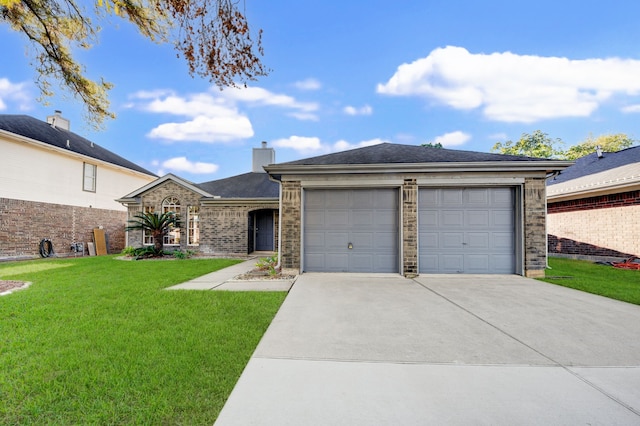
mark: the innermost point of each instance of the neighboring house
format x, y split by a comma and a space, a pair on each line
594, 206
233, 216
58, 185
411, 210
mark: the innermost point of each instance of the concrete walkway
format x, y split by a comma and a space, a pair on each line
352, 349
225, 279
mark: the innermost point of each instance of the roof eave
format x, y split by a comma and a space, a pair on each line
547, 166
238, 201
592, 191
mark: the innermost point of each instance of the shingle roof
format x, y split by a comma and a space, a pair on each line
591, 164
615, 171
247, 185
390, 153
42, 131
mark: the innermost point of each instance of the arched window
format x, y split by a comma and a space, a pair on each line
172, 204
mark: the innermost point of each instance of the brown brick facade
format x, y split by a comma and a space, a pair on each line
535, 232
291, 224
224, 228
23, 224
410, 228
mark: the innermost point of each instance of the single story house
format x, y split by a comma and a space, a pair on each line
232, 216
57, 185
414, 210
593, 207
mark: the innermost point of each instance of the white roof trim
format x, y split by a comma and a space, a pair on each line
617, 178
165, 178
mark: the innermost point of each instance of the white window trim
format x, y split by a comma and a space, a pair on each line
93, 178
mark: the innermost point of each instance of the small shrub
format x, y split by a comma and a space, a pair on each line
128, 251
268, 264
179, 254
146, 251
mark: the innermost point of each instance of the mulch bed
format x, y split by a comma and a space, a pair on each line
7, 285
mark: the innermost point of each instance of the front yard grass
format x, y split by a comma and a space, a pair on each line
619, 284
96, 340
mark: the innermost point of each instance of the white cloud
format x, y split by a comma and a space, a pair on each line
498, 136
205, 129
181, 164
515, 88
313, 145
308, 84
214, 116
631, 108
351, 110
299, 143
14, 92
456, 138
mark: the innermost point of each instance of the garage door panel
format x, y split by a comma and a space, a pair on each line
366, 218
452, 240
452, 218
476, 197
477, 263
336, 218
362, 240
386, 240
429, 240
451, 263
362, 218
477, 218
466, 230
315, 239
451, 197
477, 240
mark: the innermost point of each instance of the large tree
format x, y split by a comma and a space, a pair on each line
608, 143
537, 144
213, 36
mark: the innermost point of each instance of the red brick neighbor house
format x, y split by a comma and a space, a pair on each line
593, 207
411, 210
232, 216
57, 185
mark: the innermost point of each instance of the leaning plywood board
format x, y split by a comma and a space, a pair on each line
101, 243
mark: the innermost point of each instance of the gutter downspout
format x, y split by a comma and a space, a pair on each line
546, 220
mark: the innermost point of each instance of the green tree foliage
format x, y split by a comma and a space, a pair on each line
608, 143
212, 35
538, 144
433, 145
157, 224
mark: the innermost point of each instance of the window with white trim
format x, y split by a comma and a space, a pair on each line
193, 225
172, 204
89, 177
147, 236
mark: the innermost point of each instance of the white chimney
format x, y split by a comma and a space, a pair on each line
57, 121
263, 157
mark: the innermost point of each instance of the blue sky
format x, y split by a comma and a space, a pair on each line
346, 74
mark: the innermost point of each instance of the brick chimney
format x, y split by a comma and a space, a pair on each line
263, 156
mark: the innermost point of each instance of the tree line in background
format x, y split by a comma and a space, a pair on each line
541, 145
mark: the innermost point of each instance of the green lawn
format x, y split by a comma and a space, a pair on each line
96, 340
597, 279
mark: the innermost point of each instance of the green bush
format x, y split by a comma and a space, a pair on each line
268, 264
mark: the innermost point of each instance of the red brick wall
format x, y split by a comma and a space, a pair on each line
23, 224
623, 199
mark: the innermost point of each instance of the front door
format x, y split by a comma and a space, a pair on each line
264, 230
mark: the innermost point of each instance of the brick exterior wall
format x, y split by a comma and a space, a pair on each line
410, 228
535, 241
224, 229
607, 225
23, 224
291, 224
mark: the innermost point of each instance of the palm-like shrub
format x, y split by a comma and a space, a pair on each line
157, 224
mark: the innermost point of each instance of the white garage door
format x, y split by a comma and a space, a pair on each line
351, 230
466, 230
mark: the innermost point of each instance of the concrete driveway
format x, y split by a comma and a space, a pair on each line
356, 349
